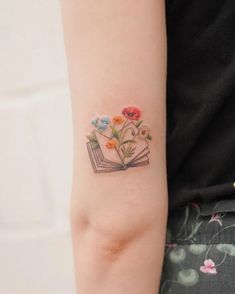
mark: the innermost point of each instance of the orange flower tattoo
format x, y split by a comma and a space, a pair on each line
118, 119
111, 144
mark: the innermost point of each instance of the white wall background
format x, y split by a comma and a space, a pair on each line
35, 151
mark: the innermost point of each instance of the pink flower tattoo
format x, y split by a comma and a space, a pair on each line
131, 112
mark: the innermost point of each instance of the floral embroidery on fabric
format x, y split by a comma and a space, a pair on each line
197, 248
208, 267
216, 218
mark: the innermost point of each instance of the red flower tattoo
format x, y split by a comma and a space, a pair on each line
131, 112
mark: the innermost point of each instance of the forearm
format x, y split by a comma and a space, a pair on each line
117, 56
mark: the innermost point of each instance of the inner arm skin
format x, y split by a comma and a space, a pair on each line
116, 53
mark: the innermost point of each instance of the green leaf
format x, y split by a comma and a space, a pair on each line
123, 149
115, 133
127, 141
130, 151
139, 122
94, 145
149, 137
92, 138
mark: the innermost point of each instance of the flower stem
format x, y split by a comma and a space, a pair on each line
125, 123
228, 227
222, 261
165, 283
122, 159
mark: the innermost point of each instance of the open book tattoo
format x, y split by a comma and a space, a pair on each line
119, 142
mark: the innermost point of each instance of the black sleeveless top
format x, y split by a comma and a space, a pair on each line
200, 100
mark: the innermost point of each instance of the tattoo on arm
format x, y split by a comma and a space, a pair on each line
120, 142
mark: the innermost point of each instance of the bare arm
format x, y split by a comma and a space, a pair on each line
117, 65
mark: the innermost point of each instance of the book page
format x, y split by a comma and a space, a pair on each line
139, 145
109, 154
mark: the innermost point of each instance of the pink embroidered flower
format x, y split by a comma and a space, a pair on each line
195, 205
216, 218
131, 112
171, 245
208, 267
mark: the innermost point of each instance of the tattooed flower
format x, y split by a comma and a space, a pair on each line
216, 218
111, 144
118, 119
143, 132
102, 123
101, 126
115, 144
105, 120
208, 267
131, 112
